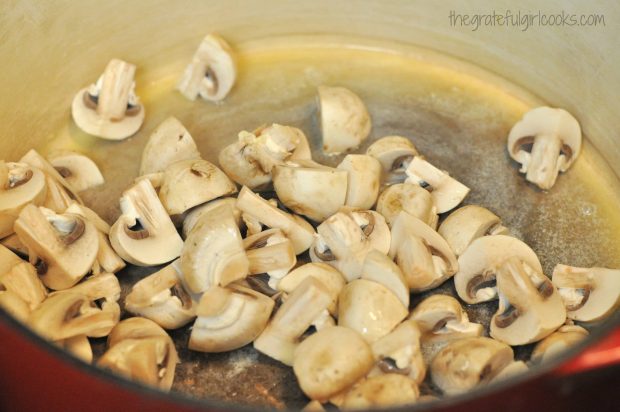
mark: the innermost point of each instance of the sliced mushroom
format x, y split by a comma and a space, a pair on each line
545, 141
64, 247
345, 122
144, 235
410, 198
188, 183
213, 254
381, 269
467, 224
467, 363
147, 355
15, 306
15, 245
54, 180
558, 342
512, 369
475, 280
298, 312
162, 298
330, 361
294, 227
229, 318
363, 180
77, 169
370, 309
446, 191
382, 391
421, 253
195, 215
589, 294
394, 153
530, 308
310, 189
21, 279
399, 352
270, 252
332, 280
78, 346
110, 107
212, 71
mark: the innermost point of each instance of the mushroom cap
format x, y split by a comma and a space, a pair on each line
410, 198
188, 183
381, 269
363, 180
446, 191
556, 343
330, 361
195, 215
345, 122
370, 309
467, 224
466, 363
589, 294
315, 192
477, 265
212, 71
24, 185
34, 159
393, 152
242, 170
389, 390
79, 170
157, 241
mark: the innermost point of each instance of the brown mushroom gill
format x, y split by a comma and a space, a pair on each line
16, 180
400, 163
63, 171
92, 101
180, 293
326, 255
211, 81
260, 283
388, 365
526, 144
545, 289
508, 317
585, 295
76, 232
137, 231
482, 281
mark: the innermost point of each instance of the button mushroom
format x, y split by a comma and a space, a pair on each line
298, 312
212, 71
213, 254
144, 235
383, 391
270, 252
311, 189
394, 153
467, 363
530, 308
381, 269
589, 294
188, 183
545, 141
229, 318
446, 191
421, 253
410, 198
195, 215
475, 280
467, 224
556, 343
294, 227
363, 180
110, 108
330, 361
20, 278
77, 169
64, 247
140, 350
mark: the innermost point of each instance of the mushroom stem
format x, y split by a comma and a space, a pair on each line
543, 166
116, 86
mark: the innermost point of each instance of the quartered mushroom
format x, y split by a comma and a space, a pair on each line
394, 153
20, 184
300, 310
364, 179
15, 306
188, 183
162, 298
347, 237
110, 108
545, 141
311, 189
300, 232
530, 307
422, 254
382, 391
446, 191
467, 224
77, 169
558, 342
345, 122
62, 247
144, 235
195, 215
331, 361
229, 318
140, 350
467, 363
168, 144
379, 268
369, 308
475, 279
15, 245
399, 353
410, 198
20, 278
78, 346
270, 252
589, 294
213, 253
212, 72
510, 370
